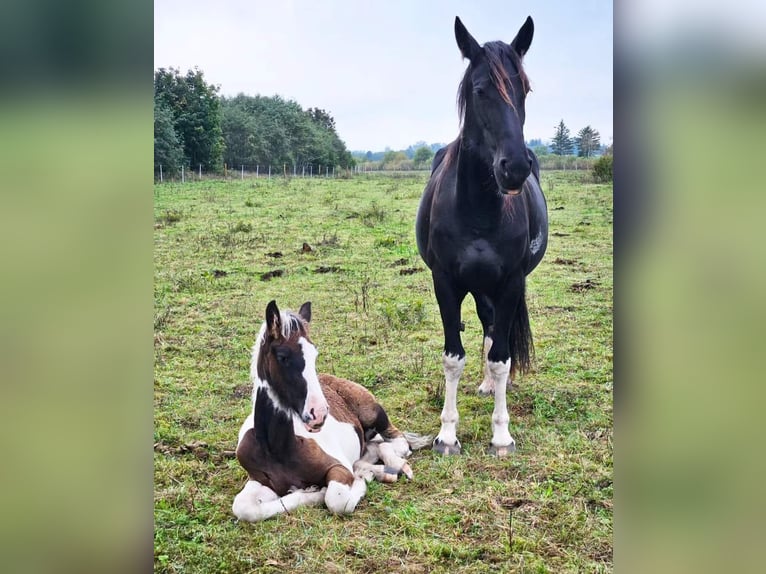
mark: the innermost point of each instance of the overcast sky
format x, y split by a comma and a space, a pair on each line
388, 71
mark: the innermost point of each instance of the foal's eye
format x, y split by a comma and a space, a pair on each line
283, 356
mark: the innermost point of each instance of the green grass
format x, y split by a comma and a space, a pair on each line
224, 249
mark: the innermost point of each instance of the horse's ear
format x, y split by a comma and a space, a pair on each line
468, 46
273, 320
523, 39
305, 311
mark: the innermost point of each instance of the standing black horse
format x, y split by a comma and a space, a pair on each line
482, 226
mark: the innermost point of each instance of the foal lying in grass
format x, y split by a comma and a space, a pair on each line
310, 438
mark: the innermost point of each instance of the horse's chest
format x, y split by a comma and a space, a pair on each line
337, 439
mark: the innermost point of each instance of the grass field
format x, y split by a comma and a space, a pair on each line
224, 249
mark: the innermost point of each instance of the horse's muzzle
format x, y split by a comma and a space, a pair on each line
314, 421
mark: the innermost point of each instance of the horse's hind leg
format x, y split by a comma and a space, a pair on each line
486, 314
453, 360
510, 314
393, 464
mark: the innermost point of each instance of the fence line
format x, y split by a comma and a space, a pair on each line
255, 172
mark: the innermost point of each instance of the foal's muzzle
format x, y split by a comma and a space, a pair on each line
315, 417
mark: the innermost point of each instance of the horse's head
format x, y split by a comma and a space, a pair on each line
286, 365
491, 102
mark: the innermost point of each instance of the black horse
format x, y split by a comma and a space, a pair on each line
482, 226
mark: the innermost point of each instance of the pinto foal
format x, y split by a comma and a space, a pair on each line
310, 438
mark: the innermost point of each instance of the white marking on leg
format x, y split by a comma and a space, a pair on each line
257, 502
453, 368
487, 386
501, 437
341, 498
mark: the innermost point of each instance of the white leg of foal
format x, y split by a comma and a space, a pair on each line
341, 498
502, 441
487, 386
446, 442
257, 502
394, 463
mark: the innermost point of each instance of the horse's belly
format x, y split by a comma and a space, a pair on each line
337, 439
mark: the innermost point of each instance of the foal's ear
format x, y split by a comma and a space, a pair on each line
468, 46
305, 311
523, 38
273, 320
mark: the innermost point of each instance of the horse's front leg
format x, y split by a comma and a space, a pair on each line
449, 298
344, 490
258, 502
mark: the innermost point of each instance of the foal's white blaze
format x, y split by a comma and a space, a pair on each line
453, 368
315, 409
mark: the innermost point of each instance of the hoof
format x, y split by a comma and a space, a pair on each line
500, 451
406, 470
483, 391
444, 448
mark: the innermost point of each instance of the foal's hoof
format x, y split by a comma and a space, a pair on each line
501, 451
395, 473
444, 448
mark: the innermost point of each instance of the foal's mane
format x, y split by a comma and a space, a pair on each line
494, 52
292, 323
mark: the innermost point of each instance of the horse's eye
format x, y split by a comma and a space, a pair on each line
283, 356
480, 92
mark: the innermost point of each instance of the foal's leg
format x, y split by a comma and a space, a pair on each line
393, 464
257, 502
449, 298
344, 490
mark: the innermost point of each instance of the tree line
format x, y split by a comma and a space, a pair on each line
194, 125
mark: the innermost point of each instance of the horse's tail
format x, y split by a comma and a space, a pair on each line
418, 441
522, 347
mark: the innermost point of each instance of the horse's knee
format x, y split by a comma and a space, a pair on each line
341, 498
248, 503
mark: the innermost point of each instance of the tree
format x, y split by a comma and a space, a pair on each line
168, 151
196, 111
264, 131
561, 143
588, 141
422, 155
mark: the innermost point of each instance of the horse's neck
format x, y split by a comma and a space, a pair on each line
476, 186
273, 427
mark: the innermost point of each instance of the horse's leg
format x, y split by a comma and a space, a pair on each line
258, 502
449, 298
499, 365
393, 466
487, 316
344, 490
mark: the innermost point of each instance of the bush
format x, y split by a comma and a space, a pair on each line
602, 169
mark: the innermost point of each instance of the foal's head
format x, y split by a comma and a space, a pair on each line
491, 103
286, 366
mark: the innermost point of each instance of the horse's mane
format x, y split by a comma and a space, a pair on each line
494, 51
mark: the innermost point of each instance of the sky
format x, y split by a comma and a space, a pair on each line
388, 71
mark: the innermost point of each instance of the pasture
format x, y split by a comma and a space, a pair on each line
223, 249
